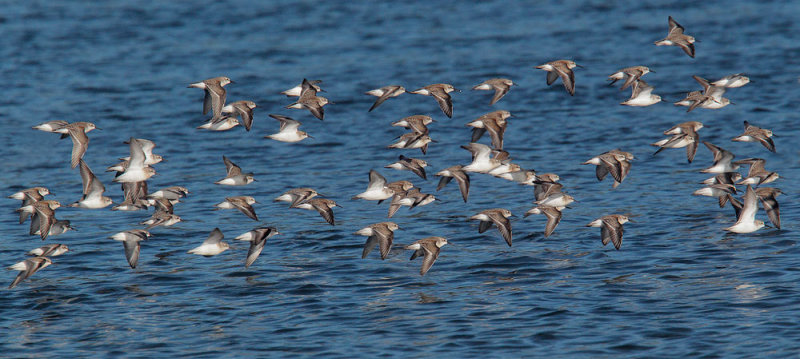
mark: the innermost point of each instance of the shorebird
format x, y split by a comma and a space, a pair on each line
611, 228
417, 123
214, 98
50, 250
563, 69
746, 221
147, 147
629, 75
553, 215
410, 164
429, 249
683, 135
385, 93
27, 268
642, 95
757, 175
676, 37
767, 196
460, 176
135, 197
545, 185
732, 81
482, 160
173, 193
235, 176
222, 123
80, 141
322, 205
376, 189
42, 216
297, 195
555, 198
413, 140
212, 246
720, 186
242, 203
495, 122
288, 131
615, 162
722, 160
441, 93
498, 217
160, 218
92, 190
410, 198
297, 90
310, 101
756, 134
257, 238
131, 243
29, 196
136, 170
500, 86
242, 109
380, 234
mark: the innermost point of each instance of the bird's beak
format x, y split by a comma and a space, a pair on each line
652, 71
580, 66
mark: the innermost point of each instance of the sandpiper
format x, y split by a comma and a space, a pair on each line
756, 134
376, 189
545, 185
222, 123
147, 147
722, 160
429, 249
563, 69
732, 81
553, 215
498, 217
92, 190
161, 218
683, 135
43, 216
495, 122
257, 238
757, 175
417, 123
28, 196
385, 93
136, 170
441, 93
212, 246
413, 140
611, 228
242, 109
235, 176
746, 221
615, 162
380, 234
461, 177
629, 75
767, 196
50, 250
288, 131
642, 95
297, 90
676, 37
27, 268
297, 195
501, 86
411, 164
131, 243
242, 203
214, 98
410, 198
482, 160
322, 205
310, 101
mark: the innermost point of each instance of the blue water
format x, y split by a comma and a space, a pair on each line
680, 286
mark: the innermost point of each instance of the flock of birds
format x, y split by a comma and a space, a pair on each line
134, 171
